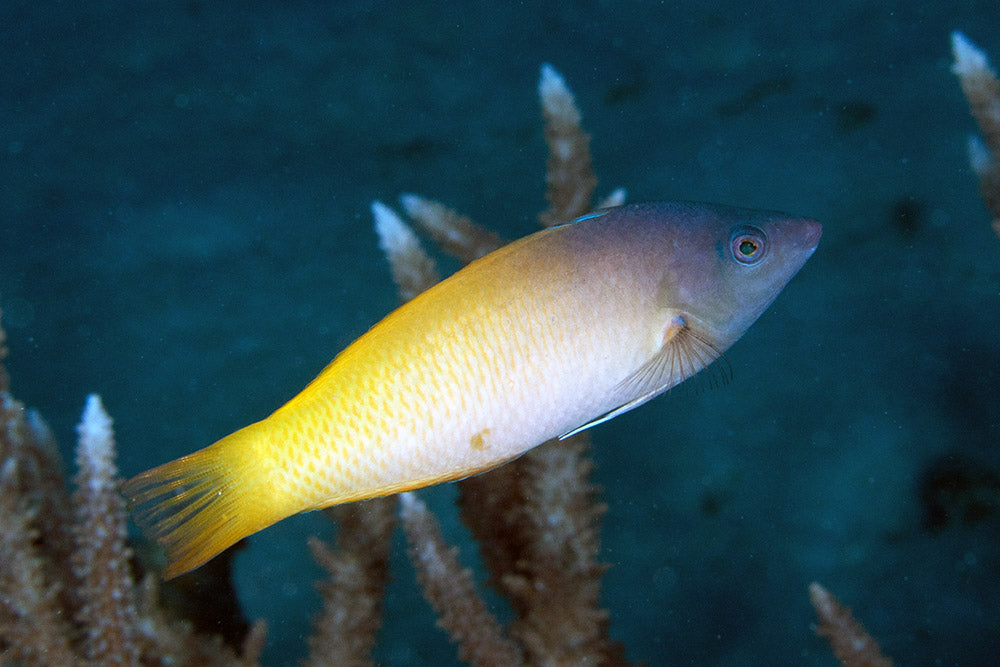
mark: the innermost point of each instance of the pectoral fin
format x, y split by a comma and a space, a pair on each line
683, 353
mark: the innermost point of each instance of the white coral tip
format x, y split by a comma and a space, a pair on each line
95, 425
551, 83
968, 58
394, 235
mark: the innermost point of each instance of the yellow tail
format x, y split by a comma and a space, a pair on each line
202, 503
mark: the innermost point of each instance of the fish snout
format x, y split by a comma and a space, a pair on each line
810, 233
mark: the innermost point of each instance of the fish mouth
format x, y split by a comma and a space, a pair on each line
811, 233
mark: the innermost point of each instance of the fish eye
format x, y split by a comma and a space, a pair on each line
748, 245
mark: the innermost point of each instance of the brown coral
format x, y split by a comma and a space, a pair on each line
850, 642
67, 593
982, 90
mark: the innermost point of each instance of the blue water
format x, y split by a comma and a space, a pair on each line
184, 193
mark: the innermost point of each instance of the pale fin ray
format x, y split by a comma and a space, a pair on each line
683, 353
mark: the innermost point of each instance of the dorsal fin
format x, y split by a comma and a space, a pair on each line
585, 216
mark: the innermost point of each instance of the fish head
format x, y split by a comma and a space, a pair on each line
722, 266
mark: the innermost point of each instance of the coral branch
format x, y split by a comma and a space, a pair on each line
455, 233
413, 270
850, 642
40, 483
538, 523
614, 198
569, 176
980, 85
566, 625
167, 641
982, 90
451, 591
101, 562
4, 378
32, 627
344, 632
253, 644
35, 585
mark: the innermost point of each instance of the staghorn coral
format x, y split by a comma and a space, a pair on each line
982, 90
108, 614
345, 630
67, 592
569, 175
33, 628
451, 590
849, 641
537, 519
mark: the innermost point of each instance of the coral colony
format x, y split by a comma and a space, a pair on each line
68, 594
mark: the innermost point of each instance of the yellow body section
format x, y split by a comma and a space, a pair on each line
469, 374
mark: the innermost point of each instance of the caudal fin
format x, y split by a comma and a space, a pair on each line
202, 503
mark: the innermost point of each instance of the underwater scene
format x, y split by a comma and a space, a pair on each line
188, 232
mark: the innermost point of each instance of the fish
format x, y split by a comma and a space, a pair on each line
547, 336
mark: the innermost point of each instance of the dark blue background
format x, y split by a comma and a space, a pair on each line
184, 229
